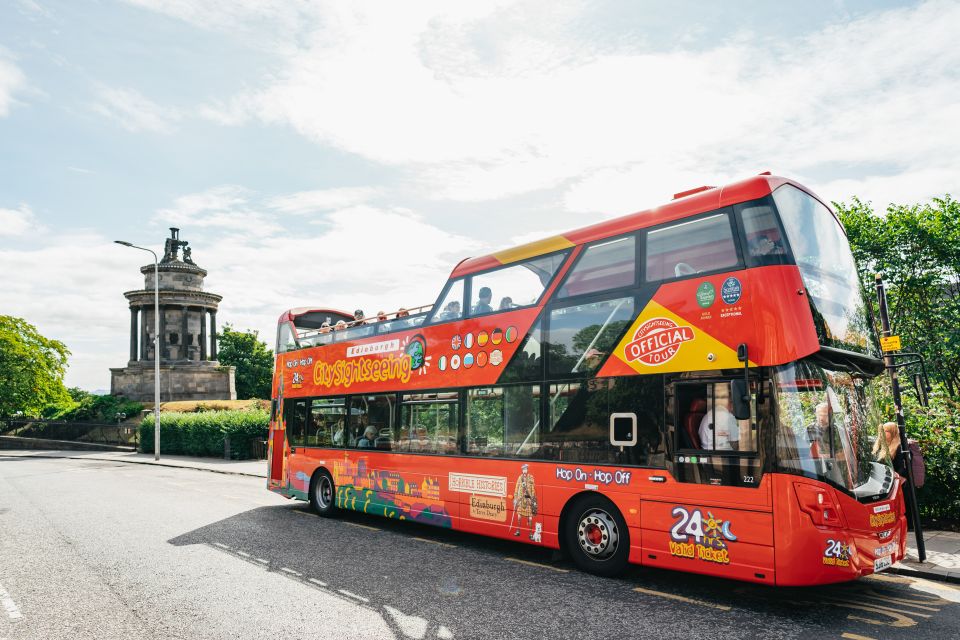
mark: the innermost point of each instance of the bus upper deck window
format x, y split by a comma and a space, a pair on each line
765, 241
451, 306
688, 248
516, 285
606, 265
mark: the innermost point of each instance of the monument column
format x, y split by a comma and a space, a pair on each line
133, 333
144, 335
184, 353
160, 349
213, 335
203, 334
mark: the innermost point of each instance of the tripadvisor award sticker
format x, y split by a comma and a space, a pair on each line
706, 294
730, 290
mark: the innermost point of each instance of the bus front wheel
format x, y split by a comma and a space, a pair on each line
596, 536
322, 494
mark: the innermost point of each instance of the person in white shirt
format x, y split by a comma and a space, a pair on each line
720, 428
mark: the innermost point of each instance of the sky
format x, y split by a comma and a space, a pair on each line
349, 154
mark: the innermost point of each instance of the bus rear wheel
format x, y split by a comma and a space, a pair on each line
596, 536
322, 494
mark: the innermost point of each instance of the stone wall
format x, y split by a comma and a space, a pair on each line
187, 382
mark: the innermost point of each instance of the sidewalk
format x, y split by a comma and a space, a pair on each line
943, 557
254, 468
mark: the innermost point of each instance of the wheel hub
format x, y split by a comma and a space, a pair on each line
598, 534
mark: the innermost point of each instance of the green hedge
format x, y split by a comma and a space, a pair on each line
936, 432
203, 434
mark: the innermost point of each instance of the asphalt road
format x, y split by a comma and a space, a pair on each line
109, 550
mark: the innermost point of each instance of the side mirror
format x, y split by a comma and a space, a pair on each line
740, 394
623, 429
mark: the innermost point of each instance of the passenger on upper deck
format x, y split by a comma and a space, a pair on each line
483, 301
451, 312
340, 325
506, 303
325, 327
403, 313
381, 316
358, 318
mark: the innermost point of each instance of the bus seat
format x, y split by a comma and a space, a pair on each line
683, 269
691, 423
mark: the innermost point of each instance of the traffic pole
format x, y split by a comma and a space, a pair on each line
905, 453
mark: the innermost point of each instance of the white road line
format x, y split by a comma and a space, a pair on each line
296, 573
353, 595
317, 582
13, 612
361, 526
537, 564
442, 544
264, 561
241, 553
222, 546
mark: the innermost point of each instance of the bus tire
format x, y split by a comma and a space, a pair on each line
596, 537
323, 494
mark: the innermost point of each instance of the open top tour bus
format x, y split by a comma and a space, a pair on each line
687, 387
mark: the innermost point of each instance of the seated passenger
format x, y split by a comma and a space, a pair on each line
403, 313
483, 301
506, 303
381, 316
357, 318
340, 325
451, 311
369, 438
325, 327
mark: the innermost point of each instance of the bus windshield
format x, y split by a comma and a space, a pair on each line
828, 421
829, 272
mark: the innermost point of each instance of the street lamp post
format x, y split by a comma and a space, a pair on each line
156, 347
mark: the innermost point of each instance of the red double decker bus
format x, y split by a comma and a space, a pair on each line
687, 387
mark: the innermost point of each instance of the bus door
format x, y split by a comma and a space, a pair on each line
276, 444
714, 515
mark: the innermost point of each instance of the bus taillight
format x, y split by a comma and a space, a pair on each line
818, 503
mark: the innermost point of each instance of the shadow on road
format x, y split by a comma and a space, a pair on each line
426, 582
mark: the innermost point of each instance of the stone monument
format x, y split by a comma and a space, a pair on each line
188, 347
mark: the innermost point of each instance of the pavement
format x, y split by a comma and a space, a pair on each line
101, 549
254, 468
942, 547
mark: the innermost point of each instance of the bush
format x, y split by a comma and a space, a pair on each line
935, 430
86, 407
203, 434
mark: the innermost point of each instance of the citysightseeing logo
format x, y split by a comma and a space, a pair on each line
344, 373
656, 341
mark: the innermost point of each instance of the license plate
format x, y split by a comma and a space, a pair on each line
882, 563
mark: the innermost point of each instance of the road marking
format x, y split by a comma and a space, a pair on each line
318, 582
362, 526
353, 595
243, 553
13, 612
222, 546
878, 607
304, 513
296, 573
537, 564
883, 600
262, 560
442, 544
673, 596
853, 636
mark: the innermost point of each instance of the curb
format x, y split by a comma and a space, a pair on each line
144, 462
921, 573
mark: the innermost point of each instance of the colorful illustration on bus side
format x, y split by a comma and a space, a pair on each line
389, 494
837, 553
709, 536
488, 494
416, 348
525, 505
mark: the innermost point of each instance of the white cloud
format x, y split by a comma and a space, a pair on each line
11, 80
134, 112
17, 222
70, 283
305, 202
480, 104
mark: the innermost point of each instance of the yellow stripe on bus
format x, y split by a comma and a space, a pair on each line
531, 249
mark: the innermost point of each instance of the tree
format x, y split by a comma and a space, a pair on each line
253, 360
917, 249
31, 368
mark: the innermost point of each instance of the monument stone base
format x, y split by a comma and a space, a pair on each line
191, 381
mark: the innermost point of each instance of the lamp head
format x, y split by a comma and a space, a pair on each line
124, 243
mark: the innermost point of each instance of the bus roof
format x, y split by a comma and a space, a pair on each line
684, 204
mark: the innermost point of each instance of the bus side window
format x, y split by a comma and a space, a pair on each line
451, 306
706, 421
504, 421
686, 248
297, 423
429, 423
